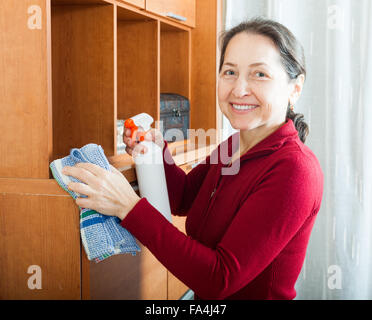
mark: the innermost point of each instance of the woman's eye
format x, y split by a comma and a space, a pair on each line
260, 74
229, 73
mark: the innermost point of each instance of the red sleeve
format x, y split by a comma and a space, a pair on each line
182, 187
265, 223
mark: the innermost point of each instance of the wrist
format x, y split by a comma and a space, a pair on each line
128, 208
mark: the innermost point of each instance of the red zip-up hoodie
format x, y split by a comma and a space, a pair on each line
247, 233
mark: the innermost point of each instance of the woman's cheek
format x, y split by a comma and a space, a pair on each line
224, 88
267, 112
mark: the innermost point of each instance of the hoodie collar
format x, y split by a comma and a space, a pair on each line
271, 143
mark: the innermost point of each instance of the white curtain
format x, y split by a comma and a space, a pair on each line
337, 104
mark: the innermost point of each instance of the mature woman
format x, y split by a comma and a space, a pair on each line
247, 232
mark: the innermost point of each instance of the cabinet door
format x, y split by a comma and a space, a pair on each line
39, 241
182, 11
125, 277
137, 3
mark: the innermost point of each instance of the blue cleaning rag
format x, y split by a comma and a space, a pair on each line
102, 236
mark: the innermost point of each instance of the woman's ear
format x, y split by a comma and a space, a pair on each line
296, 89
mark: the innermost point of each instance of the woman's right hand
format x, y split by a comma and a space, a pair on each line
133, 147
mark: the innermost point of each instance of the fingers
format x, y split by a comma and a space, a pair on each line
92, 168
150, 135
129, 143
85, 172
127, 132
129, 150
85, 203
114, 170
138, 149
158, 138
154, 135
133, 148
127, 138
80, 188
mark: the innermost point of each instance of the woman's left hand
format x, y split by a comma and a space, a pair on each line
108, 192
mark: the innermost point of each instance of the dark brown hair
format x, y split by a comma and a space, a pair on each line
290, 50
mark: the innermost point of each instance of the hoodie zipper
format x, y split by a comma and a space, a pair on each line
210, 202
214, 190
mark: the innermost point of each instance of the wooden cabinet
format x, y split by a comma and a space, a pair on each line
182, 11
69, 69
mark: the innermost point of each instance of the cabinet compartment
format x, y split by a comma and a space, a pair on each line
82, 76
182, 11
137, 65
175, 60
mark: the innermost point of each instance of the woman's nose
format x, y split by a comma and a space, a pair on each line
241, 88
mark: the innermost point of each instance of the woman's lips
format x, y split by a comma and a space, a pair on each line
241, 111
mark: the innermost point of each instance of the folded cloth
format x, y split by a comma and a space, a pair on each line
102, 236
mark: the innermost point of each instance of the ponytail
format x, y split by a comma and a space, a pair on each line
299, 123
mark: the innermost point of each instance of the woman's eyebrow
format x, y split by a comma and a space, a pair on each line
230, 64
258, 64
251, 65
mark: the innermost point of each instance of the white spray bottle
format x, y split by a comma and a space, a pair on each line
149, 166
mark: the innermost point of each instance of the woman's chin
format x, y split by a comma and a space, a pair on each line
237, 123
241, 126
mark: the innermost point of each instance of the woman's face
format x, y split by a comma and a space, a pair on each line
253, 88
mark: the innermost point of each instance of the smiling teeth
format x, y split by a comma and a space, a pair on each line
247, 107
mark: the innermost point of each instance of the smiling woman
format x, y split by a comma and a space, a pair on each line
247, 231
271, 59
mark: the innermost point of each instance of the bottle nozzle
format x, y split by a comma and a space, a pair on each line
141, 121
